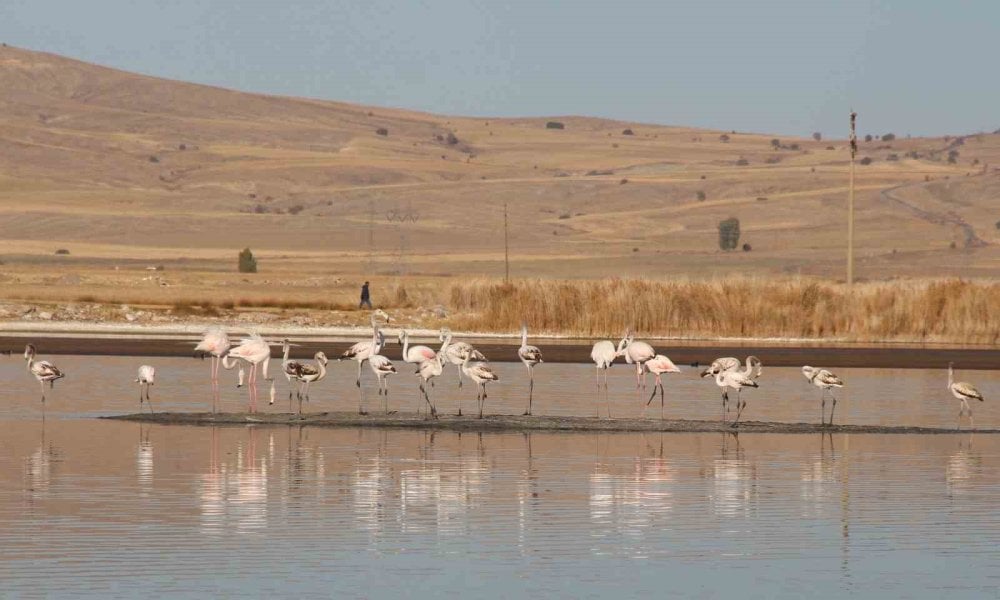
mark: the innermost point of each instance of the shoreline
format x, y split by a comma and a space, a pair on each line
517, 423
102, 339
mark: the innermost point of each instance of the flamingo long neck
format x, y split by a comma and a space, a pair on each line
524, 336
951, 376
267, 361
375, 348
444, 349
718, 378
228, 363
286, 350
406, 344
321, 366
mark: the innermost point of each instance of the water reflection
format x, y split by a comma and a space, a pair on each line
233, 495
735, 480
38, 467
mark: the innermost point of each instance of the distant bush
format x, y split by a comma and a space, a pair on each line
700, 195
888, 137
182, 147
772, 160
247, 262
953, 156
776, 143
729, 233
747, 247
62, 251
868, 137
296, 209
892, 157
866, 160
154, 159
724, 138
565, 215
997, 224
742, 162
451, 138
830, 148
817, 136
623, 182
382, 131
554, 125
628, 132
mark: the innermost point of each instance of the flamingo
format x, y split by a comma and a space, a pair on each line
456, 355
604, 354
637, 353
825, 380
145, 378
289, 368
43, 370
429, 369
658, 365
482, 374
382, 367
256, 352
530, 356
726, 363
414, 354
215, 343
362, 351
964, 392
306, 374
736, 380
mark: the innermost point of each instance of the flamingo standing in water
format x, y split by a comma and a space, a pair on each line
482, 374
637, 353
306, 374
736, 380
825, 380
215, 343
963, 392
145, 378
290, 369
604, 354
726, 363
456, 355
43, 370
382, 367
362, 351
255, 351
530, 356
658, 365
429, 369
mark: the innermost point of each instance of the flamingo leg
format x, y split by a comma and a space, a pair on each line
740, 404
833, 407
822, 407
662, 401
531, 388
148, 400
361, 401
358, 382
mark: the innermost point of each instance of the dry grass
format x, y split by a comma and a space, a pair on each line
934, 310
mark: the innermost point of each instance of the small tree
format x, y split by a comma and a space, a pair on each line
888, 137
817, 136
248, 264
868, 137
701, 195
729, 233
724, 138
776, 143
953, 156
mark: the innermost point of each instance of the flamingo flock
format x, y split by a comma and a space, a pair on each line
252, 354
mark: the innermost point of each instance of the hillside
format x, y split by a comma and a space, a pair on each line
126, 171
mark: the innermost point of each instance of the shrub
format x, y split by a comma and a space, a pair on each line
747, 247
628, 132
742, 162
830, 148
701, 198
62, 251
182, 147
623, 182
565, 215
888, 137
817, 136
953, 156
296, 209
776, 143
892, 157
868, 137
154, 159
554, 125
247, 264
772, 160
729, 233
724, 138
451, 138
382, 131
997, 224
866, 160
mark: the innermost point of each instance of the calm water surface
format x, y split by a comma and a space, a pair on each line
105, 509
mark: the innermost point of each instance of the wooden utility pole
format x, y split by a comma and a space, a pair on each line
850, 204
506, 248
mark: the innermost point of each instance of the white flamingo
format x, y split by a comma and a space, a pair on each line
730, 363
637, 353
658, 365
290, 369
482, 374
429, 369
145, 378
382, 367
306, 374
256, 352
214, 343
362, 351
530, 356
736, 380
963, 392
42, 370
826, 381
456, 355
604, 354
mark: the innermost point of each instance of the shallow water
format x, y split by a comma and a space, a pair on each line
101, 508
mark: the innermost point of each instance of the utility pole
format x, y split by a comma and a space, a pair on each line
850, 204
506, 248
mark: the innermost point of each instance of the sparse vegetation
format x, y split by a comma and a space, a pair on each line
62, 251
154, 159
817, 136
382, 131
747, 247
628, 132
700, 194
888, 137
742, 162
868, 137
247, 262
729, 233
953, 156
724, 138
776, 143
554, 125
295, 209
866, 160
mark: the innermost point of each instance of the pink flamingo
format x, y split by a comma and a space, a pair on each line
658, 365
604, 354
361, 351
255, 351
637, 353
215, 343
429, 369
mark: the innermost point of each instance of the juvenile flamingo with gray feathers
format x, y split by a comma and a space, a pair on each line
42, 370
963, 392
826, 381
530, 356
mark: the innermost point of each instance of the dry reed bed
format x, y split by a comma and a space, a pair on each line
935, 310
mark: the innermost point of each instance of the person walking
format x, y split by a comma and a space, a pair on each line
366, 299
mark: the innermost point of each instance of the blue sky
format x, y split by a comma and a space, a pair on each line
780, 66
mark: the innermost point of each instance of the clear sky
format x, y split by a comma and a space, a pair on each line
781, 66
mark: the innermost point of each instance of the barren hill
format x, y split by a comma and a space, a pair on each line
124, 171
